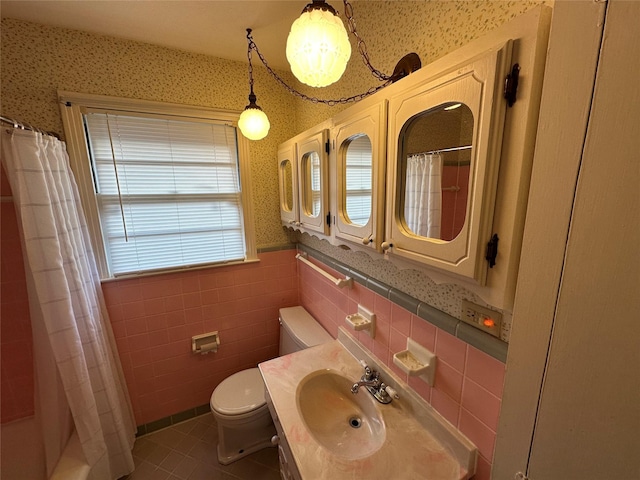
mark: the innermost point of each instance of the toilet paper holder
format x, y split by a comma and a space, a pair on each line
205, 343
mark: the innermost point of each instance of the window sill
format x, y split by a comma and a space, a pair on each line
153, 273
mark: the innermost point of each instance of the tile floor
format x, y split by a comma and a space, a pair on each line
187, 451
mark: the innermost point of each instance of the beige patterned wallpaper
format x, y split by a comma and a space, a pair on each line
37, 61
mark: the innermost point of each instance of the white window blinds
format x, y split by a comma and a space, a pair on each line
167, 189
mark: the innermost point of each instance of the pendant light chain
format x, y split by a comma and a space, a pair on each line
362, 46
250, 64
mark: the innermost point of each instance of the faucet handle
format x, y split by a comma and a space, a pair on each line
389, 391
367, 370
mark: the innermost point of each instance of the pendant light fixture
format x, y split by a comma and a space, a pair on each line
318, 47
324, 57
253, 122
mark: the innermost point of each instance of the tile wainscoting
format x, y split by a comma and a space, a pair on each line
154, 318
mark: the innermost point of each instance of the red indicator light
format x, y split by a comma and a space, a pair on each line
488, 322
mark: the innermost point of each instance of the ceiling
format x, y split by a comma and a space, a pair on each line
210, 27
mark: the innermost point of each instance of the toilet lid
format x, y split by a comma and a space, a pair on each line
240, 393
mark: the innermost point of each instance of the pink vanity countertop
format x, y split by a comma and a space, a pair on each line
409, 451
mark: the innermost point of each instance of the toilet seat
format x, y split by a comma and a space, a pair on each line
239, 394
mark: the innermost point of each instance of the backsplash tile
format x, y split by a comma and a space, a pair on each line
481, 404
451, 350
485, 371
400, 319
481, 435
424, 333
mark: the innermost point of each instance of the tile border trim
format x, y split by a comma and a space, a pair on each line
276, 248
172, 420
476, 338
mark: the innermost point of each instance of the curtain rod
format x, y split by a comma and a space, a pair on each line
26, 126
444, 150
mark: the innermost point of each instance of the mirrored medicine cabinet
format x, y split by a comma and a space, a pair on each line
427, 194
358, 171
303, 170
443, 164
420, 170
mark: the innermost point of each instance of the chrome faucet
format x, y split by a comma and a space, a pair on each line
375, 382
371, 381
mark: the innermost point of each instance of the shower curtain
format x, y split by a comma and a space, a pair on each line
70, 320
423, 194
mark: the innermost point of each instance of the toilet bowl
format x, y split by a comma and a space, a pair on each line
238, 403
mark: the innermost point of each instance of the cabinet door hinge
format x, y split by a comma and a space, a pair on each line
511, 85
492, 250
327, 147
329, 218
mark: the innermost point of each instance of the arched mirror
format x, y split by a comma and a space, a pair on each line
311, 186
360, 139
434, 167
286, 177
288, 184
357, 171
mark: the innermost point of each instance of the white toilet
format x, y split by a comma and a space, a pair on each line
238, 403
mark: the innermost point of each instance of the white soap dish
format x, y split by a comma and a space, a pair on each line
363, 320
416, 361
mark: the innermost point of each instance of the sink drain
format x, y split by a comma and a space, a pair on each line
355, 422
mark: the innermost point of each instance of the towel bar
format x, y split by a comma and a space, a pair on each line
339, 282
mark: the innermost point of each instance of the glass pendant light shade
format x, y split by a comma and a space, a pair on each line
318, 47
253, 123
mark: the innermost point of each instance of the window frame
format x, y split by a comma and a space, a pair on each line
72, 106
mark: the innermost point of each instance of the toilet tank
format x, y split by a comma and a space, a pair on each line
299, 330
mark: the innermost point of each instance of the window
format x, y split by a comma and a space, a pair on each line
164, 183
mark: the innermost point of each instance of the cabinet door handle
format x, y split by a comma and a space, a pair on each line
386, 246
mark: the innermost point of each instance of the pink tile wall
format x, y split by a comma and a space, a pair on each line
16, 357
468, 386
454, 204
154, 318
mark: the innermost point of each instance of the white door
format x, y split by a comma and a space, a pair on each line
571, 404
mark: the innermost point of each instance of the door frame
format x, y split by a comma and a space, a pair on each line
574, 47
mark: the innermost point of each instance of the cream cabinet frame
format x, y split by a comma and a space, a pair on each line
367, 118
310, 190
477, 84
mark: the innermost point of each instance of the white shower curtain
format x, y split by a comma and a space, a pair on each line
70, 306
423, 194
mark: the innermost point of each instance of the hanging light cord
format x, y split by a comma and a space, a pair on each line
362, 48
250, 65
